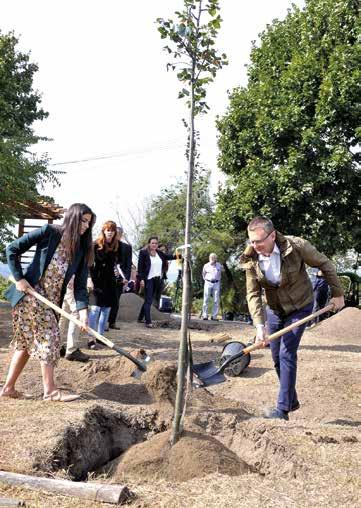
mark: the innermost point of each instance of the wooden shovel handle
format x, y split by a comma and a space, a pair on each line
281, 332
62, 312
76, 321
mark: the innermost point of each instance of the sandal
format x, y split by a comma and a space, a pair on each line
13, 395
60, 396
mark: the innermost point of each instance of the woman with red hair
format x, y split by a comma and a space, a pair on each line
103, 278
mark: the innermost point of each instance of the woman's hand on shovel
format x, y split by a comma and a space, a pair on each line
23, 285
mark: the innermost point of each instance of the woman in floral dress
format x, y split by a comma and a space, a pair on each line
61, 252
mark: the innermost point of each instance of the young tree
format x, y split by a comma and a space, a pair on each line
196, 60
290, 140
21, 172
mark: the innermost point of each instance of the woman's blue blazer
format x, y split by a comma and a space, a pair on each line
46, 239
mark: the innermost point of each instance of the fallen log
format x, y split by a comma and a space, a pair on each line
102, 492
7, 502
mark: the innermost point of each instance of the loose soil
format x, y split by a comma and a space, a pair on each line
229, 454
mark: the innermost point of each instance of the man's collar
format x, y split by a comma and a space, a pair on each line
276, 250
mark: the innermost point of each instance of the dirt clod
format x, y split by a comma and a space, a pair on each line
160, 381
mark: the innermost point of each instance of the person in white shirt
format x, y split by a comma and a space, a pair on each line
151, 266
211, 274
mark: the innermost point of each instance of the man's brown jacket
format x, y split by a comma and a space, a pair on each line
295, 289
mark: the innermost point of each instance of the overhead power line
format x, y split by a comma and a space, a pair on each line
120, 154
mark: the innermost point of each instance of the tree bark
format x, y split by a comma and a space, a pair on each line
183, 347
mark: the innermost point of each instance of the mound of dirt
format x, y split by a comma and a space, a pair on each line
129, 308
343, 326
160, 381
194, 456
114, 370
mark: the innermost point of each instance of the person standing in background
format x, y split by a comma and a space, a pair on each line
104, 290
122, 273
321, 291
211, 274
72, 351
165, 267
151, 266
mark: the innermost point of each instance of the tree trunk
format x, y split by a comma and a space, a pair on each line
183, 348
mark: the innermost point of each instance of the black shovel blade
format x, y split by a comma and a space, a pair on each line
208, 373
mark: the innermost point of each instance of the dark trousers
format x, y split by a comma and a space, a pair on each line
151, 286
284, 353
321, 296
158, 292
114, 309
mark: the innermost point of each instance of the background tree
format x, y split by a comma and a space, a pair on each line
21, 172
290, 140
164, 216
196, 60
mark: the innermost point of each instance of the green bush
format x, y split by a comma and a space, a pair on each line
4, 284
197, 305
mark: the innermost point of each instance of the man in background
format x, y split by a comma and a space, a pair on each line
211, 274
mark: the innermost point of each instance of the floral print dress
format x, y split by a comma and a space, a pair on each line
35, 327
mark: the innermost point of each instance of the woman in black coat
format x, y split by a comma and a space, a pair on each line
152, 263
104, 285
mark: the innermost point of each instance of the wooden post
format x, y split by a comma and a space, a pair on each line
102, 492
21, 227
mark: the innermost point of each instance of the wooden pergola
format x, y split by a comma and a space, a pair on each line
41, 210
37, 211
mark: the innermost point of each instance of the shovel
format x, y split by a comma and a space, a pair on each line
140, 364
208, 373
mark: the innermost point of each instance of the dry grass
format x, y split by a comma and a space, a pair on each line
312, 461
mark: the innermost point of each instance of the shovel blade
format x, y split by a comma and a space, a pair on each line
137, 373
208, 373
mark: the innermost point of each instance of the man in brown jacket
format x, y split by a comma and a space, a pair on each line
275, 266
